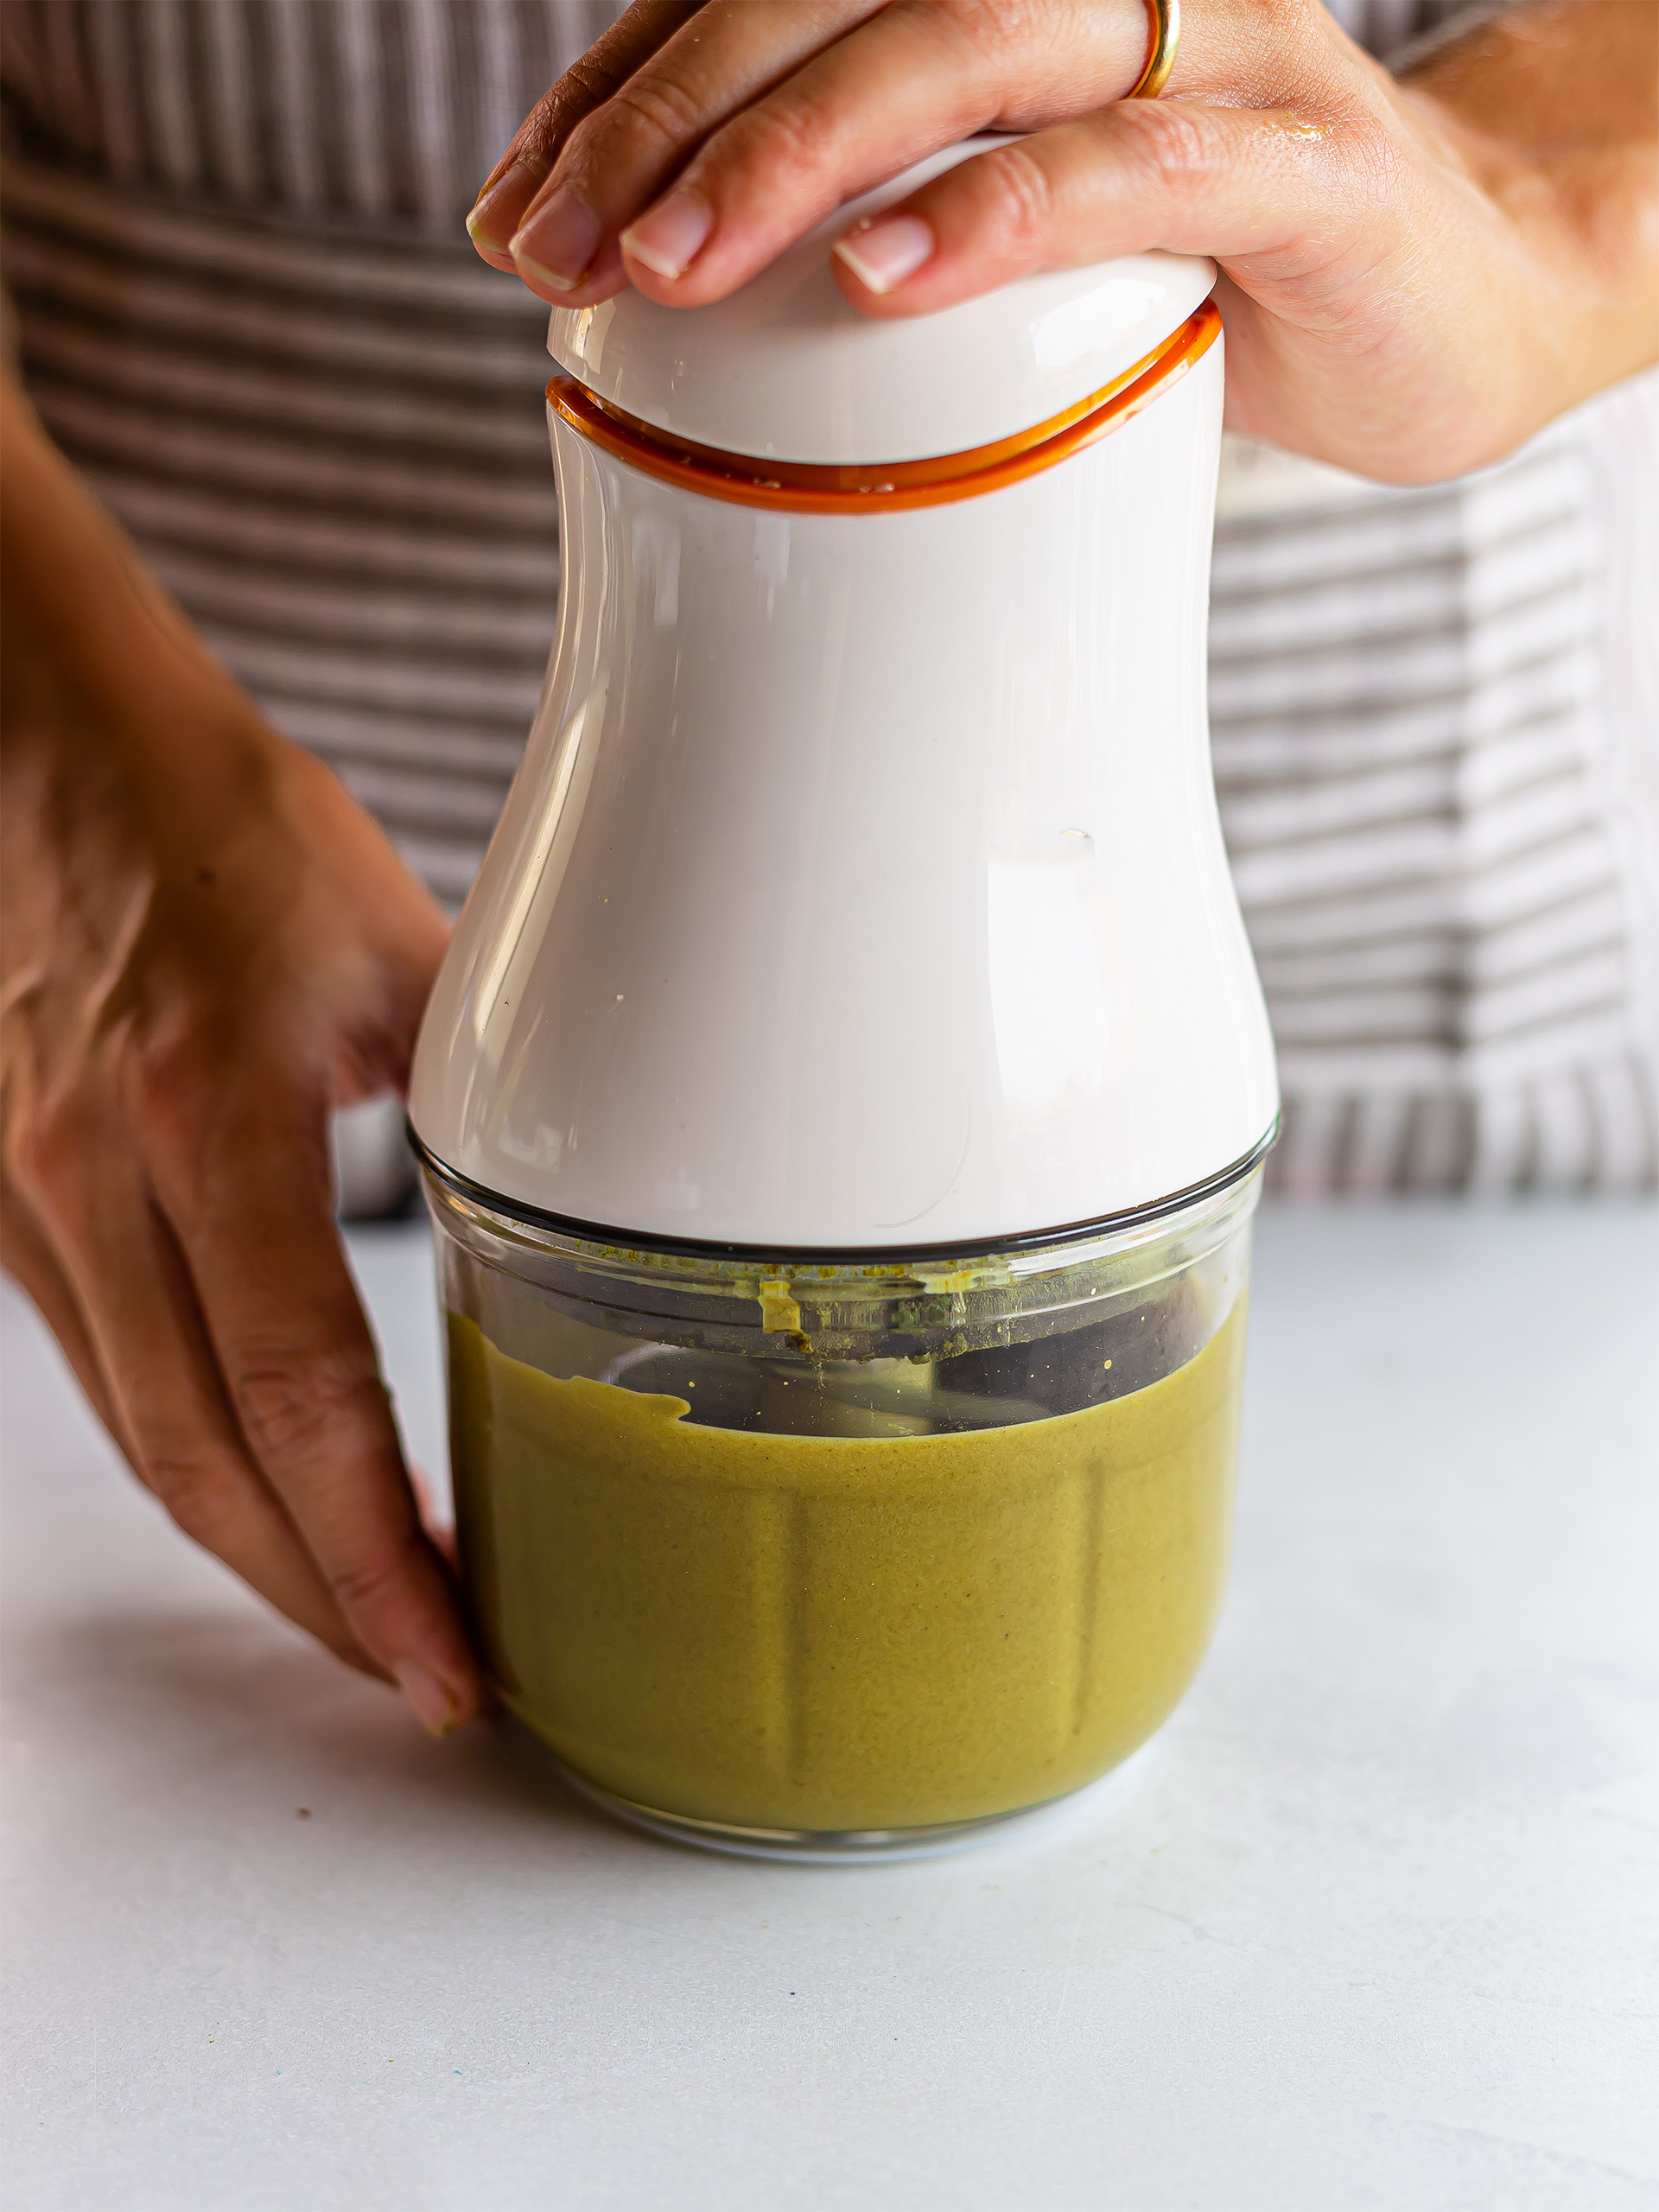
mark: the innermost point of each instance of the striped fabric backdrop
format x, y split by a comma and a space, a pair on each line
1435, 718
248, 312
372, 107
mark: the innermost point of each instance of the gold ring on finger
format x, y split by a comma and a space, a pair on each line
1164, 28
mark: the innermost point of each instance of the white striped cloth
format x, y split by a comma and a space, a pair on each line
248, 311
1436, 732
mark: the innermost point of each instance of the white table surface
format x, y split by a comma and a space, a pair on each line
1372, 1924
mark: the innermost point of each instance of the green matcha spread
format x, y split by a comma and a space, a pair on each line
833, 1632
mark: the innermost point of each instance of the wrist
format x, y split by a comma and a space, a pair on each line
1545, 116
1547, 278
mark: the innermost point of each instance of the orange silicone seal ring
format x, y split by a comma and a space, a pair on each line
812, 487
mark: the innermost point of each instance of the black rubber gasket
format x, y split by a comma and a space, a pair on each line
786, 1256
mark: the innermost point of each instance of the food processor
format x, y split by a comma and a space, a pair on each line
843, 1103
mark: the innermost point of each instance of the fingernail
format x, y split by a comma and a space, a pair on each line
433, 1705
496, 212
882, 252
669, 238
559, 240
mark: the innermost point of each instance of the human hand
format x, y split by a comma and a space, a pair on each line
207, 943
1416, 276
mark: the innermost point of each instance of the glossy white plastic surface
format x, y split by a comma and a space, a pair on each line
787, 370
862, 885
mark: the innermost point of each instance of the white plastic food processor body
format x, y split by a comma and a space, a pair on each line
862, 887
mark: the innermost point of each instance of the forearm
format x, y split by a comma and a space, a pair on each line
128, 753
1551, 112
80, 614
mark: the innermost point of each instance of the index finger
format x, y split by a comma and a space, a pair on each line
254, 1214
588, 84
623, 151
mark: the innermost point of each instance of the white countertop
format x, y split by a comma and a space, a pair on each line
1371, 1924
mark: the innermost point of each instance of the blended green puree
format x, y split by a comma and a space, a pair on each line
834, 1632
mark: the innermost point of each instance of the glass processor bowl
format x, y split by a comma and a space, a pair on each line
840, 1558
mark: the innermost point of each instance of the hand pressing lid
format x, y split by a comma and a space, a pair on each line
787, 370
